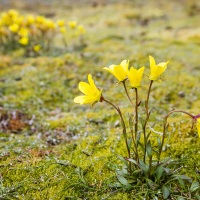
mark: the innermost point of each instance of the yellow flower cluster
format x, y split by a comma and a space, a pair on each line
121, 73
33, 32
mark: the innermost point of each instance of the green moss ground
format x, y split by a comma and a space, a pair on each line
69, 151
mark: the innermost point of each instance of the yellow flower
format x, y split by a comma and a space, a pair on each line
135, 76
14, 28
156, 70
23, 41
30, 19
72, 24
63, 30
92, 93
40, 19
36, 48
118, 71
81, 29
50, 24
23, 32
13, 13
19, 20
198, 126
61, 23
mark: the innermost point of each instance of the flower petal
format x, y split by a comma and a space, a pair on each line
85, 88
152, 61
198, 126
84, 100
125, 65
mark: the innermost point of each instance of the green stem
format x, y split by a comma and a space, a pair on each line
147, 119
165, 126
136, 113
150, 166
127, 92
123, 124
148, 95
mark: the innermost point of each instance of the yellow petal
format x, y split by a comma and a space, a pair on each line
198, 126
91, 81
117, 71
141, 71
125, 65
120, 73
152, 61
83, 100
86, 99
85, 88
156, 70
135, 76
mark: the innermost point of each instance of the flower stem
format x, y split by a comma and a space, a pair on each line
165, 127
136, 113
148, 95
123, 124
147, 119
124, 84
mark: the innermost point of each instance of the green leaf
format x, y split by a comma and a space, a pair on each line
195, 185
117, 184
129, 142
157, 153
165, 192
142, 146
123, 160
148, 135
143, 166
124, 169
133, 161
138, 137
123, 181
151, 184
131, 120
181, 182
159, 172
182, 177
157, 132
159, 142
180, 198
149, 148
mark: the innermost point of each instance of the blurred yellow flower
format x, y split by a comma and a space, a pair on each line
37, 47
81, 29
156, 70
23, 41
40, 19
30, 19
61, 23
14, 28
50, 24
19, 20
13, 13
23, 32
72, 24
6, 20
118, 71
198, 126
63, 30
135, 76
92, 93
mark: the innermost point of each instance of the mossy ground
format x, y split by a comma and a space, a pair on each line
56, 149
